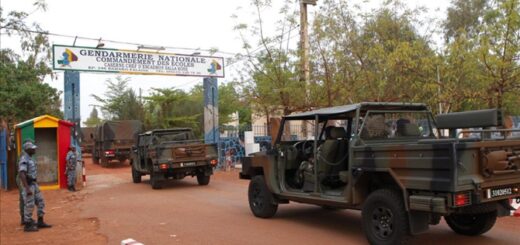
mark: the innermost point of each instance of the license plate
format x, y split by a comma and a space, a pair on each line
187, 164
492, 193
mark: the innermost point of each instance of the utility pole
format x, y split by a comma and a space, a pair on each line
304, 45
304, 59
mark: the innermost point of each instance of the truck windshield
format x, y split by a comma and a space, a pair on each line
397, 125
297, 130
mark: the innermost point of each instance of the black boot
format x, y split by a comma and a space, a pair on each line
42, 224
22, 222
30, 226
73, 188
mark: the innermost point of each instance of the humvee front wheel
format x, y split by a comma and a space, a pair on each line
202, 179
261, 200
385, 220
471, 224
136, 176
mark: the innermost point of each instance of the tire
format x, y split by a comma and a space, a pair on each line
136, 176
261, 200
95, 159
104, 162
202, 179
384, 218
155, 182
471, 224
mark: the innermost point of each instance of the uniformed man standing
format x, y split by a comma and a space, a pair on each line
27, 171
71, 168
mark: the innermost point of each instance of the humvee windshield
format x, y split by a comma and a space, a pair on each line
397, 125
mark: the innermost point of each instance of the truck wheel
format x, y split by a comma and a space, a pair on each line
471, 224
155, 182
384, 218
104, 162
261, 200
136, 176
202, 179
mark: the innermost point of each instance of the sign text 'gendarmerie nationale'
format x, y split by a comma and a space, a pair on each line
135, 62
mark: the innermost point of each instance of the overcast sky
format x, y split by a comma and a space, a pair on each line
194, 24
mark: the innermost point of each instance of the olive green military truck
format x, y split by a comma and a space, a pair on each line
389, 161
113, 140
172, 154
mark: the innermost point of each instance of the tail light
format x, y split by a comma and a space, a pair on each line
213, 162
462, 199
109, 152
163, 166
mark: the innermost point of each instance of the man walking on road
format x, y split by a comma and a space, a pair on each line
31, 194
71, 168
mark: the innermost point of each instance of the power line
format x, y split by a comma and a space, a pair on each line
115, 41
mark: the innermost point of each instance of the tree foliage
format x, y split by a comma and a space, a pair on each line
381, 55
120, 102
23, 93
93, 119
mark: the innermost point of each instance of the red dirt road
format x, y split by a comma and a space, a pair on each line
112, 208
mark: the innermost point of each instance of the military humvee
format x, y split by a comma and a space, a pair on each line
172, 154
389, 161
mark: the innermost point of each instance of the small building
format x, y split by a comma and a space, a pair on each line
52, 136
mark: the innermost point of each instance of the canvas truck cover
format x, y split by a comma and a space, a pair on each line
120, 130
86, 132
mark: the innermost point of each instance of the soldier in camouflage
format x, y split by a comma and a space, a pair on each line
27, 171
71, 168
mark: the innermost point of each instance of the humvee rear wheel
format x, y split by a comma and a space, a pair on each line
384, 218
202, 179
471, 224
261, 200
155, 182
136, 176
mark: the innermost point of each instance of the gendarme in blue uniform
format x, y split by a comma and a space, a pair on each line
28, 165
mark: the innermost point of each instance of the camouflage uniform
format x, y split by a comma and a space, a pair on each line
71, 169
28, 165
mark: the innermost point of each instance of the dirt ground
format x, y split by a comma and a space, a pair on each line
62, 211
111, 208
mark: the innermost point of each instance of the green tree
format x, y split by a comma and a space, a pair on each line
499, 52
374, 56
173, 108
120, 102
464, 17
23, 93
93, 119
481, 61
271, 83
